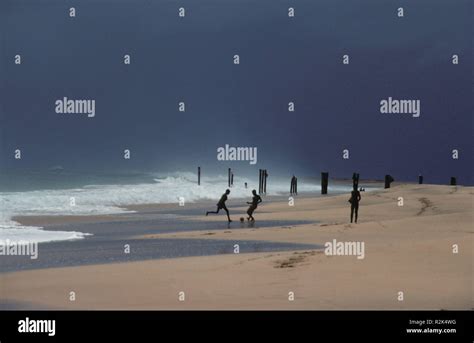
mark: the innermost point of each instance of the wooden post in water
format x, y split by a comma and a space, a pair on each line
453, 181
355, 180
232, 179
260, 181
228, 177
420, 179
199, 176
265, 174
388, 180
324, 182
296, 185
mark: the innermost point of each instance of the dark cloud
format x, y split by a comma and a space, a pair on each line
282, 60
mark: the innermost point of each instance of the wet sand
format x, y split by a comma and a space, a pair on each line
408, 249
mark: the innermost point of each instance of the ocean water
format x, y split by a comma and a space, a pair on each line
59, 193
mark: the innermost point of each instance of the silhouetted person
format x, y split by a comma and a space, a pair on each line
354, 200
221, 205
246, 185
256, 199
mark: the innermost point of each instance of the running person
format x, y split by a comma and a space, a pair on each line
221, 205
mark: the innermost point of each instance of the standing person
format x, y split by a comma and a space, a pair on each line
256, 199
354, 200
221, 205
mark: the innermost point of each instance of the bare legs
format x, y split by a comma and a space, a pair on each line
218, 209
354, 208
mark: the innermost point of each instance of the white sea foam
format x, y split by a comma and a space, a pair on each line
108, 199
31, 234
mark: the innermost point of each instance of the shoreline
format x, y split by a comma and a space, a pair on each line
48, 220
407, 248
109, 234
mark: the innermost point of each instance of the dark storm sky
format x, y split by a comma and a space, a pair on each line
282, 60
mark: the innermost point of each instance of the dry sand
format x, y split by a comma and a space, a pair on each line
408, 249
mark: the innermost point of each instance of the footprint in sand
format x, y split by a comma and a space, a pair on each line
328, 224
425, 204
295, 259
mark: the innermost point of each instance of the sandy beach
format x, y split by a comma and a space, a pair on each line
408, 249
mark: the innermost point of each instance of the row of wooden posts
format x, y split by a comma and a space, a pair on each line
262, 181
263, 175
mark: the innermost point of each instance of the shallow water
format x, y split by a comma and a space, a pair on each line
108, 239
86, 252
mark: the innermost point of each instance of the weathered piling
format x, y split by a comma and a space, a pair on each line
265, 175
420, 179
388, 180
453, 181
199, 176
355, 180
228, 177
324, 182
293, 185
